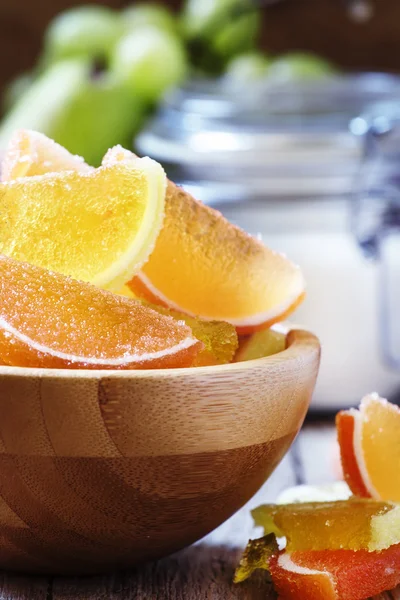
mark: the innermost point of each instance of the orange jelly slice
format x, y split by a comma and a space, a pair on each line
50, 320
369, 440
352, 524
204, 266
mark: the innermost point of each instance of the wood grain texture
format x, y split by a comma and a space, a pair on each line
198, 573
99, 470
201, 572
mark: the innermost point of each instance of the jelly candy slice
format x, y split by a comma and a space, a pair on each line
31, 153
323, 574
351, 524
98, 227
335, 574
219, 338
369, 441
260, 344
49, 320
203, 265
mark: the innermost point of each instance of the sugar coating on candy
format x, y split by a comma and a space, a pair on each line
48, 320
383, 455
219, 338
98, 226
223, 267
323, 574
326, 492
369, 440
31, 153
204, 266
335, 574
353, 524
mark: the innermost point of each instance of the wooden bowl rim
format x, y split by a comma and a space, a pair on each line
299, 342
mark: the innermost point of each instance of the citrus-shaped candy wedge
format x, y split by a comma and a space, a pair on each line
369, 441
220, 339
49, 320
31, 153
323, 574
260, 344
203, 265
354, 524
335, 574
99, 226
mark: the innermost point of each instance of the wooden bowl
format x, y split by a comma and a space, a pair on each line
102, 469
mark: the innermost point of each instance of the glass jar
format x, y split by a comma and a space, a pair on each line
376, 215
281, 162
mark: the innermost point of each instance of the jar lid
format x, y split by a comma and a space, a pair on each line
263, 140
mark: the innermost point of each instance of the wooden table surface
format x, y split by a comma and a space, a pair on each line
203, 571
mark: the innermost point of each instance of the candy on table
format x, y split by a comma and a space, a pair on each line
353, 524
257, 555
369, 441
322, 574
347, 549
335, 574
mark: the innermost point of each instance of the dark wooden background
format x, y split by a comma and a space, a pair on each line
319, 25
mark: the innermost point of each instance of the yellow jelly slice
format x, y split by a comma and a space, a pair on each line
219, 338
354, 524
260, 344
98, 227
31, 153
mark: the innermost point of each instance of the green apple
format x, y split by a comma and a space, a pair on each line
16, 88
148, 13
246, 68
299, 66
86, 31
86, 115
150, 61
